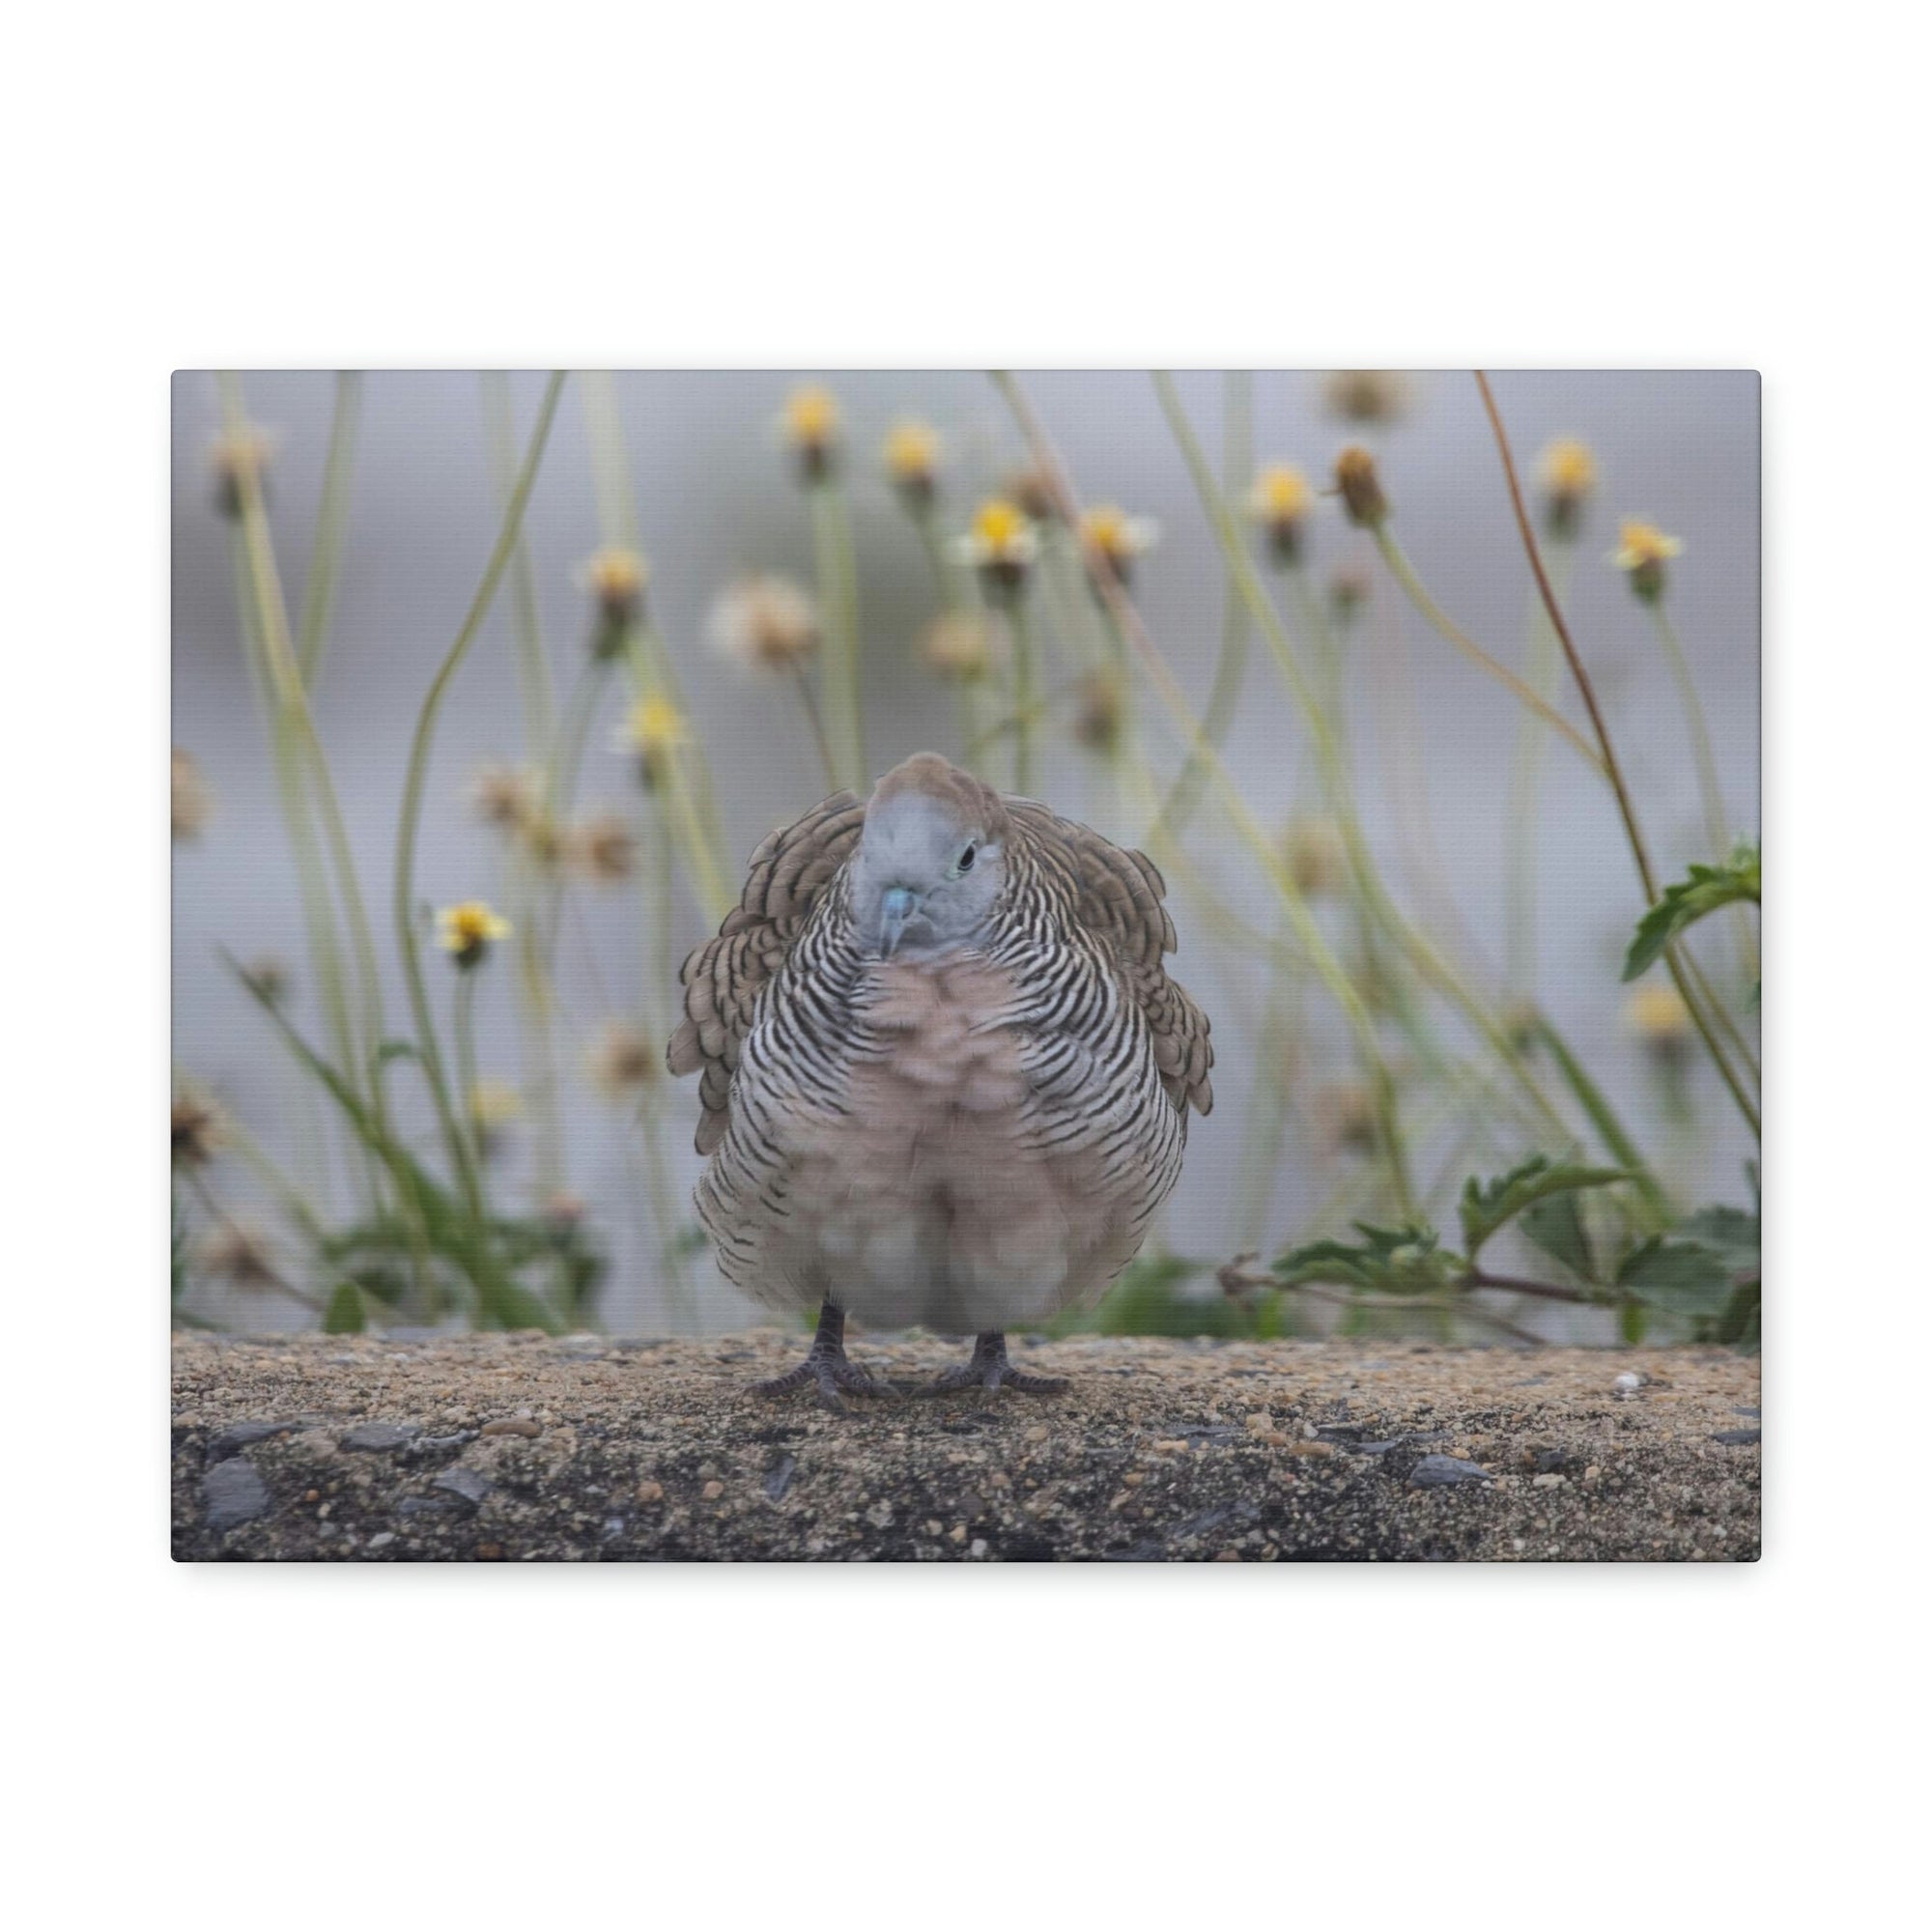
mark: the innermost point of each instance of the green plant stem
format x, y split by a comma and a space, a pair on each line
1429, 962
1026, 693
1307, 930
1603, 1117
410, 818
469, 1085
1525, 817
532, 663
1607, 762
324, 565
1718, 831
1403, 573
810, 704
645, 657
838, 594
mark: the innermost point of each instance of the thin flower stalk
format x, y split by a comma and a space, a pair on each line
331, 520
837, 577
1525, 816
1632, 830
1429, 962
1250, 829
410, 818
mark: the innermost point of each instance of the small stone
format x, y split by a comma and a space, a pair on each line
1261, 1423
240, 1434
1310, 1432
956, 1534
979, 1547
651, 1492
933, 1527
382, 1435
1627, 1384
1591, 1474
1037, 1432
779, 1481
468, 1484
380, 1540
513, 1425
233, 1493
1732, 1438
712, 1490
490, 1552
880, 1515
1548, 1480
1134, 1478
1439, 1472
1228, 1556
1318, 1450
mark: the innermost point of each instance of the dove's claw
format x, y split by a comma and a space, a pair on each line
989, 1369
826, 1369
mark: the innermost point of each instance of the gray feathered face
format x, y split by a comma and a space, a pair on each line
925, 880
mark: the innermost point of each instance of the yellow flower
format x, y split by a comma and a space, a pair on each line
765, 623
811, 424
468, 931
1567, 467
1656, 1015
1111, 538
1642, 551
653, 730
1279, 500
617, 578
1360, 487
912, 459
1001, 544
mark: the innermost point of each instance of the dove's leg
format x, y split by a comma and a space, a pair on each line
826, 1369
989, 1369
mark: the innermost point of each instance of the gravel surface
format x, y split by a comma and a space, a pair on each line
521, 1448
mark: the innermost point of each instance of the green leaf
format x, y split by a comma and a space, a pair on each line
1486, 1207
1555, 1224
1388, 1261
1702, 889
345, 1315
1731, 1232
1682, 1277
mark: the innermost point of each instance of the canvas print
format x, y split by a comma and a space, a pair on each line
965, 965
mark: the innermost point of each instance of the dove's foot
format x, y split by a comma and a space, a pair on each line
826, 1369
989, 1369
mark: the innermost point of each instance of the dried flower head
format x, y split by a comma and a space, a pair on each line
1642, 551
563, 1211
238, 458
1366, 395
623, 1062
911, 457
467, 930
1111, 539
1345, 1117
1567, 471
1360, 487
1656, 1015
811, 424
616, 580
1521, 1024
1317, 855
653, 730
196, 1131
1031, 487
1279, 500
765, 623
540, 840
1002, 544
190, 802
1100, 711
959, 645
238, 1253
493, 1106
603, 848
506, 797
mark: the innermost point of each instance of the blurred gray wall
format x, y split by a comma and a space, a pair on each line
715, 499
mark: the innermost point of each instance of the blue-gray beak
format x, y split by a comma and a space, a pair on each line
897, 907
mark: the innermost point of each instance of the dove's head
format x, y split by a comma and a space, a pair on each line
931, 859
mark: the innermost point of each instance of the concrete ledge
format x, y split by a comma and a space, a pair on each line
517, 1448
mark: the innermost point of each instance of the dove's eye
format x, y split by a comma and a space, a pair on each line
964, 863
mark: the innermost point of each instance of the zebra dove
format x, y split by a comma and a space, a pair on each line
945, 1076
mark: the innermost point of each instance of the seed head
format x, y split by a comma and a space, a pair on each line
602, 849
506, 797
1366, 395
238, 1253
196, 1131
623, 1062
1345, 1116
1318, 858
236, 459
765, 623
959, 645
1348, 592
1360, 487
269, 979
654, 729
1656, 1015
493, 1106
1101, 711
616, 580
190, 802
467, 930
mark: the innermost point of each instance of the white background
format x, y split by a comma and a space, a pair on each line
199, 186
